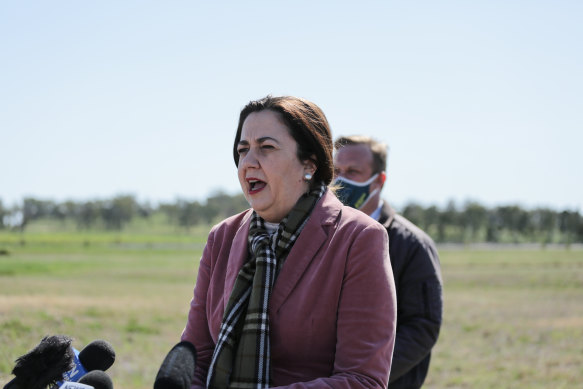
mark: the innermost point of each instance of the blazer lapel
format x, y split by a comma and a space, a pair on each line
305, 248
237, 256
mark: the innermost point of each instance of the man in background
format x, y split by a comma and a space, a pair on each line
360, 163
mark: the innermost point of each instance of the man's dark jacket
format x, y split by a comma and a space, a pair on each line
418, 282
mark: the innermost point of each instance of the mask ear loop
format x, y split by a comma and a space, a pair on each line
355, 183
370, 195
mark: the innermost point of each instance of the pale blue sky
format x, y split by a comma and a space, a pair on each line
477, 100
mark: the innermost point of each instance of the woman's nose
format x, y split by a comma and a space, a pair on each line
249, 160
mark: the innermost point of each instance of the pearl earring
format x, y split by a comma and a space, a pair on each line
307, 176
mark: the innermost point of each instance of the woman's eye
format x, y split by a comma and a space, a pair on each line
267, 147
242, 150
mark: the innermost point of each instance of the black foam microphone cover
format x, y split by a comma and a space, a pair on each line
98, 379
97, 355
44, 365
177, 370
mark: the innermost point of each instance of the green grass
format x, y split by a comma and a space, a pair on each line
130, 289
512, 318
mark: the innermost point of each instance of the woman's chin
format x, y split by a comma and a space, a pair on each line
268, 215
259, 207
259, 202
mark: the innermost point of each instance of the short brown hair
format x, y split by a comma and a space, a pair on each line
306, 123
378, 149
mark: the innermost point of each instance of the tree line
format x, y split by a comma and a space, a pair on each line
116, 213
475, 223
470, 222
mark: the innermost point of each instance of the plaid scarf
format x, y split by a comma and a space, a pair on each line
241, 358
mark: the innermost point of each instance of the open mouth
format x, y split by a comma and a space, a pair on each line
255, 185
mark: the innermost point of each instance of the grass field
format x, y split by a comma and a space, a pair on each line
513, 318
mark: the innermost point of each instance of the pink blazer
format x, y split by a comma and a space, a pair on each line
332, 309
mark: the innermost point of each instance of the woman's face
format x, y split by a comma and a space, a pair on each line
270, 173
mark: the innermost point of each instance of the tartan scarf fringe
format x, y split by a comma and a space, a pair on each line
241, 358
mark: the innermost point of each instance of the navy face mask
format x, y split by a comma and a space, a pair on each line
354, 194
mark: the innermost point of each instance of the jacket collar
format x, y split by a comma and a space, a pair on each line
311, 239
387, 215
237, 255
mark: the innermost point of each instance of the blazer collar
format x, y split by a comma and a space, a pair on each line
311, 239
237, 256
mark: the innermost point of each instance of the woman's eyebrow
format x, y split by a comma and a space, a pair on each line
266, 138
259, 140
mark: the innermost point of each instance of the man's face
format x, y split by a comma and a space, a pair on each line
354, 162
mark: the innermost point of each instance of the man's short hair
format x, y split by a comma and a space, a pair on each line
378, 149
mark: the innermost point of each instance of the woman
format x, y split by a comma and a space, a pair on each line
297, 291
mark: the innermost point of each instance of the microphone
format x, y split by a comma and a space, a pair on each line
97, 355
44, 365
97, 379
177, 370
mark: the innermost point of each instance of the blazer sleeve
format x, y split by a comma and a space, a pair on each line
197, 327
366, 316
